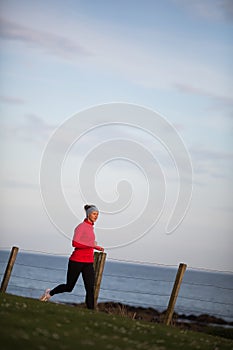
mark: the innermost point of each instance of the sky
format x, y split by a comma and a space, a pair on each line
172, 57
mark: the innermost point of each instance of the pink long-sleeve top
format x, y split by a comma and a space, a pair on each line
84, 243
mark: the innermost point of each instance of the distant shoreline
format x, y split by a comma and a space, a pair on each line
151, 315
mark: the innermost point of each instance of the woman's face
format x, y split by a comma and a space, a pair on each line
93, 216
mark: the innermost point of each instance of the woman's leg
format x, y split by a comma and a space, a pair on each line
73, 272
88, 275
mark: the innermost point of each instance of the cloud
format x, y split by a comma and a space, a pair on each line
212, 10
49, 42
205, 154
148, 60
33, 129
154, 63
211, 163
225, 209
12, 100
190, 89
16, 184
227, 6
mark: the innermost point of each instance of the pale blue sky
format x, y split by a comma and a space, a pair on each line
172, 56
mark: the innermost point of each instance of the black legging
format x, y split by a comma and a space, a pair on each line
73, 272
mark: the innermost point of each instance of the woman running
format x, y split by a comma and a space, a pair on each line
81, 259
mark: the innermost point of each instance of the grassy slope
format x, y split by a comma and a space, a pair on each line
30, 324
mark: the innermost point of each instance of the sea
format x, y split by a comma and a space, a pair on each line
136, 284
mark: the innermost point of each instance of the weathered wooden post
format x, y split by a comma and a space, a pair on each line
174, 294
7, 275
99, 261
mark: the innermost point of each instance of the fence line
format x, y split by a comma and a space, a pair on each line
140, 278
204, 269
168, 281
120, 276
125, 276
148, 263
130, 291
42, 267
133, 278
134, 292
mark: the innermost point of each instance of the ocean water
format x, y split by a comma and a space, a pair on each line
201, 292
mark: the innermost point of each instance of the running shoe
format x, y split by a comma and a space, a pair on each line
46, 296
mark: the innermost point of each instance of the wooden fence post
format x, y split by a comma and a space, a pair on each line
99, 261
7, 275
174, 294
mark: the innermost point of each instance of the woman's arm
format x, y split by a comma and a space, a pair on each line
83, 246
76, 244
97, 247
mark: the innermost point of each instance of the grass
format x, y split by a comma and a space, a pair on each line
30, 324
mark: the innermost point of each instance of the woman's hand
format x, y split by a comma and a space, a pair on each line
101, 249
